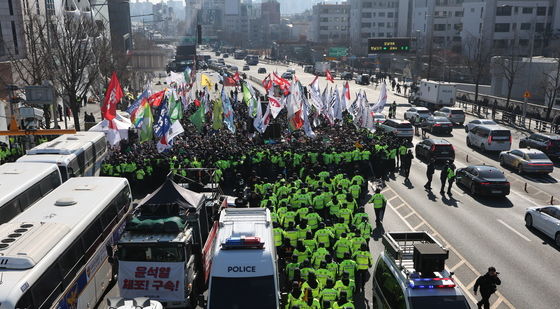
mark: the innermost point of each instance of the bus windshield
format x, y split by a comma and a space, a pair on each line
243, 293
151, 253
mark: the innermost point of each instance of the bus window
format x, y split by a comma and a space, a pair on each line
70, 262
47, 288
9, 211
63, 172
25, 302
91, 234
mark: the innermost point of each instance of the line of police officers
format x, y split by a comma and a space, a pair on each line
321, 233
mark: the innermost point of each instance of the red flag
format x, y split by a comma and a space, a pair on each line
229, 81
236, 77
329, 76
113, 95
346, 91
155, 99
284, 84
267, 83
196, 102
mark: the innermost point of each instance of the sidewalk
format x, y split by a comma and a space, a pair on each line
89, 108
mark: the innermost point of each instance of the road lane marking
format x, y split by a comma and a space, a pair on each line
461, 262
497, 302
401, 205
513, 230
409, 214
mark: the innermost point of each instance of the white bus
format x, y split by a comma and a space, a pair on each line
68, 165
22, 184
244, 272
55, 254
90, 149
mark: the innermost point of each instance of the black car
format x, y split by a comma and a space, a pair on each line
547, 143
438, 149
483, 180
261, 71
436, 124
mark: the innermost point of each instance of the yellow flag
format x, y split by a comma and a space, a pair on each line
206, 81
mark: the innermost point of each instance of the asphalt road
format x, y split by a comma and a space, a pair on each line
480, 231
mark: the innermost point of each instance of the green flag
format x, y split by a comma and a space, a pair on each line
146, 130
175, 108
198, 118
249, 99
217, 115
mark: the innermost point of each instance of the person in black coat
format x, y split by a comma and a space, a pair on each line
430, 174
488, 285
443, 177
406, 163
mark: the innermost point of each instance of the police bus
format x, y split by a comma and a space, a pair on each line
90, 148
55, 253
243, 270
22, 184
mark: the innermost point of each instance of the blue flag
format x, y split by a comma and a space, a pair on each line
228, 112
163, 121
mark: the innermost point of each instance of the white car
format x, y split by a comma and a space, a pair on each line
545, 219
478, 122
416, 112
378, 117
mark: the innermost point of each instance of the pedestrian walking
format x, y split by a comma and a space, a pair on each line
443, 177
430, 174
488, 284
379, 204
406, 163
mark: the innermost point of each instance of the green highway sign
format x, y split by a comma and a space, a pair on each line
389, 45
338, 52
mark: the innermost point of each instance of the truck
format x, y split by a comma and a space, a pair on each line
185, 56
252, 59
433, 94
243, 272
321, 68
161, 246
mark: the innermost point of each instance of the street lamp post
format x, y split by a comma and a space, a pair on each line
531, 50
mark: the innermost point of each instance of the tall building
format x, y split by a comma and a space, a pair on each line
438, 24
505, 26
120, 25
270, 11
12, 42
330, 24
378, 19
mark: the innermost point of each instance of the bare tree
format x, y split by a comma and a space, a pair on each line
509, 66
72, 48
476, 59
552, 86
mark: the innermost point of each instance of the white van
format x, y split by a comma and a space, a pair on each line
244, 273
489, 138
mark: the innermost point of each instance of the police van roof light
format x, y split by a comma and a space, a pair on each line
431, 283
242, 243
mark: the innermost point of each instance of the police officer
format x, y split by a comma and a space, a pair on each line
443, 177
450, 176
430, 173
379, 203
364, 262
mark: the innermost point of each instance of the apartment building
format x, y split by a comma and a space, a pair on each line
330, 23
378, 19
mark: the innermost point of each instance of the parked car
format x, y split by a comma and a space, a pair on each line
436, 124
346, 75
225, 55
261, 71
234, 68
454, 114
477, 122
438, 149
547, 143
221, 61
400, 128
489, 138
217, 54
545, 219
362, 79
413, 112
483, 180
527, 161
291, 71
287, 75
246, 68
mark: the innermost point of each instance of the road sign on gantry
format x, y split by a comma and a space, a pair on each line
389, 45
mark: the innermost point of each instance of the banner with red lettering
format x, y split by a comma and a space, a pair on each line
163, 281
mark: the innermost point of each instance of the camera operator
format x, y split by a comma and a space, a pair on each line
488, 285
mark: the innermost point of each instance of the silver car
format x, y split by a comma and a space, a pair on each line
545, 219
454, 114
527, 161
414, 113
477, 122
